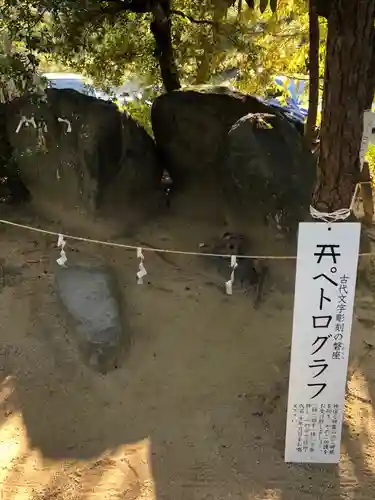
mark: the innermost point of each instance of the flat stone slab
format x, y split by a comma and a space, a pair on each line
87, 294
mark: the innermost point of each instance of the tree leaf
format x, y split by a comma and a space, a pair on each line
251, 4
263, 4
273, 5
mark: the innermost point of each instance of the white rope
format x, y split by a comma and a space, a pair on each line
337, 215
315, 213
156, 250
145, 249
341, 214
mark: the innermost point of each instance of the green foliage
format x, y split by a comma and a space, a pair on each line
123, 44
210, 37
110, 53
282, 47
370, 157
141, 112
20, 28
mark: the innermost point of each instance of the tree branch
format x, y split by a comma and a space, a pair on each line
139, 6
301, 78
117, 6
38, 18
192, 19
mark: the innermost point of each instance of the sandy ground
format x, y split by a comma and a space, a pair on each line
196, 411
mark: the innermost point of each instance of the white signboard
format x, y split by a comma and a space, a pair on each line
368, 136
326, 273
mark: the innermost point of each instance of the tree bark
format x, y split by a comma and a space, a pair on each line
371, 75
323, 7
313, 74
345, 97
161, 29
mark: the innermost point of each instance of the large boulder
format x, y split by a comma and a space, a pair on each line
83, 158
267, 178
190, 127
266, 184
242, 172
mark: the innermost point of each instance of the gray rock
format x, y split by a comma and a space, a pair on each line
88, 295
267, 174
240, 167
191, 130
100, 162
267, 177
190, 127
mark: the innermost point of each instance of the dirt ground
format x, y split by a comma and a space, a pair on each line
196, 410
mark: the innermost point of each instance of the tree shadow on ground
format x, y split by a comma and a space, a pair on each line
358, 431
204, 389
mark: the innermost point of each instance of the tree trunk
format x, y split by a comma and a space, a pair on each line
313, 74
161, 29
323, 7
371, 75
345, 97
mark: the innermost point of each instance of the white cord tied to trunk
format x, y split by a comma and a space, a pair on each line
341, 214
229, 283
142, 270
337, 215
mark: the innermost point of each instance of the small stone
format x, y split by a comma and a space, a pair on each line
88, 296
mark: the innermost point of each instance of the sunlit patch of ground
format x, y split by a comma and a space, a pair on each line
195, 412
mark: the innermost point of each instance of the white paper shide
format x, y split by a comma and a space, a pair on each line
327, 260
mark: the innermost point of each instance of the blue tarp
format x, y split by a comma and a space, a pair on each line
294, 90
